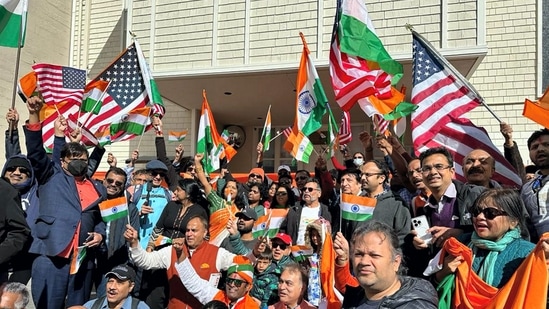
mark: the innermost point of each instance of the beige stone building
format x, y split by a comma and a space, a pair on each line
245, 54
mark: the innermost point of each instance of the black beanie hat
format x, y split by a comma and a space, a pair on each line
18, 162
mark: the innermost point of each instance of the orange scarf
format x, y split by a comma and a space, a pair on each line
527, 288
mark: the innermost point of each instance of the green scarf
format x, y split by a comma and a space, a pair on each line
486, 271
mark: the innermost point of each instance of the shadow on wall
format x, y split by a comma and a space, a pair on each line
115, 44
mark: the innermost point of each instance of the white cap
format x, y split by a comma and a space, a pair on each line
284, 167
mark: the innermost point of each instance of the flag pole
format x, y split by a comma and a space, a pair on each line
450, 67
278, 133
17, 60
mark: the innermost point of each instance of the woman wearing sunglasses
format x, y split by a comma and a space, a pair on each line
498, 241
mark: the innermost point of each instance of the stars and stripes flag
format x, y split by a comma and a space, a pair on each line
131, 87
345, 134
439, 91
359, 64
287, 131
59, 83
48, 115
381, 125
443, 97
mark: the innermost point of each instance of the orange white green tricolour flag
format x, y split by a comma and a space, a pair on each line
177, 136
357, 208
77, 259
301, 252
114, 209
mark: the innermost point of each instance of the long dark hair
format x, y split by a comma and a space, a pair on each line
192, 189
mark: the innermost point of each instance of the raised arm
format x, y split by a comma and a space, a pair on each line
511, 151
161, 153
33, 138
12, 142
200, 173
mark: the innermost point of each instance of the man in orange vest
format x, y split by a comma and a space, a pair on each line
240, 277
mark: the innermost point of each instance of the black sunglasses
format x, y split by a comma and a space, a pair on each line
116, 182
255, 175
236, 282
489, 213
281, 246
301, 178
281, 193
154, 173
308, 189
22, 170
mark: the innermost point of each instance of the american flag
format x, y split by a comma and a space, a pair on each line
58, 83
354, 78
443, 96
440, 92
287, 132
345, 134
381, 125
126, 92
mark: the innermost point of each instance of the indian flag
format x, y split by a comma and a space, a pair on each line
114, 209
93, 96
260, 226
103, 135
26, 87
300, 252
266, 134
299, 146
357, 208
13, 22
277, 216
177, 136
133, 122
210, 142
311, 99
162, 240
78, 257
150, 85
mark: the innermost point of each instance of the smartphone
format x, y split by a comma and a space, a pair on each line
421, 225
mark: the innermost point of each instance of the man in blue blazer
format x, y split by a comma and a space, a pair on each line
68, 219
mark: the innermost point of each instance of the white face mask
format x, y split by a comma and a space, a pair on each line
358, 161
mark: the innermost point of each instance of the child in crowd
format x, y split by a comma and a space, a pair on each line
264, 290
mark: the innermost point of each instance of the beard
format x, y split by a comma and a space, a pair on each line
245, 230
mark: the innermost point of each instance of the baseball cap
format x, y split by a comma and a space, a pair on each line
122, 272
284, 237
284, 167
247, 213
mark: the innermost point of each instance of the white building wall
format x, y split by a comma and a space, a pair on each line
47, 40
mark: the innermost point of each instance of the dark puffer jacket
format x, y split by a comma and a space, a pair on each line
414, 293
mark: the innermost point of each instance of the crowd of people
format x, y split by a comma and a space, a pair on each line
185, 240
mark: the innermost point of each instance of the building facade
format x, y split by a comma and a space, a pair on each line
245, 54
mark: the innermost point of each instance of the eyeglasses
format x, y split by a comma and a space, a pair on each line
308, 189
255, 176
281, 193
281, 246
284, 182
439, 167
22, 170
489, 213
371, 174
190, 169
155, 173
301, 178
254, 191
358, 158
236, 282
116, 182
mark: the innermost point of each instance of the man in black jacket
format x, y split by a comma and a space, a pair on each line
14, 231
300, 216
376, 259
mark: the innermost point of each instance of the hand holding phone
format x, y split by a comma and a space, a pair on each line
421, 226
